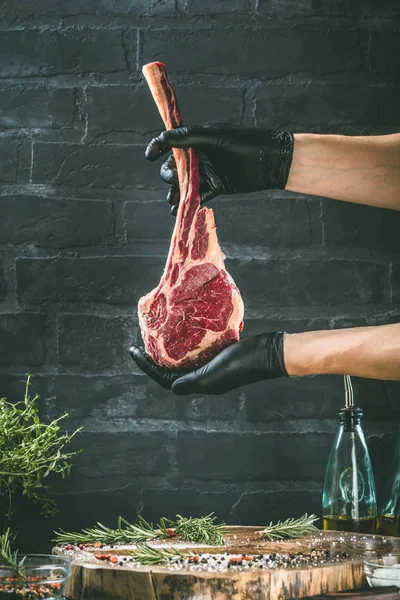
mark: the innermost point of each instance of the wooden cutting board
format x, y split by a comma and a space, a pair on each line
93, 579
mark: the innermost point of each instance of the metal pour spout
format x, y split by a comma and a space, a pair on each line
348, 388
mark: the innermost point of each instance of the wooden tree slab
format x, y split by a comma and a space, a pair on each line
95, 580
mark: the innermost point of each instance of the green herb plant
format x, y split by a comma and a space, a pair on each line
8, 557
125, 533
145, 555
290, 529
200, 530
30, 450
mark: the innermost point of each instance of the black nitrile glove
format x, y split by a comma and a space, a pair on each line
232, 159
250, 360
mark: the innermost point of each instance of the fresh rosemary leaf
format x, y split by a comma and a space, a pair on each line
201, 530
9, 557
290, 529
155, 556
125, 533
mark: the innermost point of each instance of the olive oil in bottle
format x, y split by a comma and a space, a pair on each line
366, 525
349, 497
388, 525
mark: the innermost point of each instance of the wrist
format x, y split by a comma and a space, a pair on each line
306, 354
291, 355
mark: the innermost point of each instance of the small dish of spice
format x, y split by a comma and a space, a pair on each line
34, 576
383, 570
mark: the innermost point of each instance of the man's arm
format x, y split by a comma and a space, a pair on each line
372, 352
365, 170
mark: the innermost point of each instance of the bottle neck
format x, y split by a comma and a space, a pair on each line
350, 417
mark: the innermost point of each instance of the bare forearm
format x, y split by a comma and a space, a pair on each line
365, 170
371, 352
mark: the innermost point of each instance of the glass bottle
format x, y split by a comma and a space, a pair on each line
388, 521
349, 496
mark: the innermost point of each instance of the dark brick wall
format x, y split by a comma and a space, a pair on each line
85, 228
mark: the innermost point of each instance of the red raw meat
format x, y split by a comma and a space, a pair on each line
196, 310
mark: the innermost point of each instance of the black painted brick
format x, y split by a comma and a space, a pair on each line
379, 399
36, 107
384, 54
60, 51
157, 8
15, 11
210, 7
110, 461
194, 503
55, 222
250, 457
8, 161
94, 342
254, 326
326, 106
135, 112
354, 226
133, 397
138, 226
346, 8
308, 282
160, 403
319, 397
78, 511
3, 286
265, 52
260, 508
22, 339
276, 221
395, 282
112, 279
262, 221
289, 399
105, 396
108, 165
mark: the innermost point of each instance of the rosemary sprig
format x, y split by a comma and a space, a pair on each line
201, 530
9, 557
30, 450
155, 556
290, 529
125, 533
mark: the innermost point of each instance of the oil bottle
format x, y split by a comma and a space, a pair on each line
388, 521
349, 496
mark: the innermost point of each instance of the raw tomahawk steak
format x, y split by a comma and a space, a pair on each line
196, 310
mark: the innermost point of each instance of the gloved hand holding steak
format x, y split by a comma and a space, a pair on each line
358, 169
196, 310
232, 159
